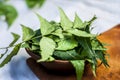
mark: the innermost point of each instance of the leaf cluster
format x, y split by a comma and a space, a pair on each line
64, 40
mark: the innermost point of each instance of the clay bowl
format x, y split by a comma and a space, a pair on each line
59, 66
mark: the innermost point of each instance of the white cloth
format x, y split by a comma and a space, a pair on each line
107, 11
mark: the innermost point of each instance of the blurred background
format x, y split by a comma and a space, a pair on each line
16, 12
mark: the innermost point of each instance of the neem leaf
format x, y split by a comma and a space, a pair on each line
9, 57
80, 33
46, 28
41, 2
67, 44
85, 42
58, 33
65, 22
78, 22
79, 67
47, 46
37, 37
67, 55
16, 37
10, 14
88, 24
102, 56
33, 3
28, 33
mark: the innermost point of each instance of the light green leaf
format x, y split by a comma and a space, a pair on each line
47, 46
80, 33
34, 47
25, 45
9, 57
67, 44
65, 22
79, 67
28, 33
78, 22
46, 27
58, 33
16, 37
93, 69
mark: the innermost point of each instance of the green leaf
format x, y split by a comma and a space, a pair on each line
86, 44
65, 22
101, 55
96, 45
0, 55
9, 57
47, 46
80, 33
58, 33
67, 55
37, 37
93, 69
16, 37
25, 45
28, 33
67, 44
78, 22
9, 12
88, 24
99, 50
33, 3
79, 67
46, 28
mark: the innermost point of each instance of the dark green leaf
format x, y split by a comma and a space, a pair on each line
65, 22
33, 3
9, 57
88, 24
101, 55
100, 50
79, 67
85, 42
28, 33
67, 55
37, 37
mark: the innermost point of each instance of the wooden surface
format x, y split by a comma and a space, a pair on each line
112, 37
